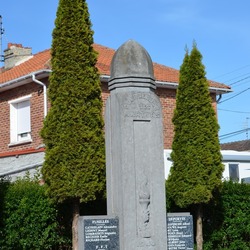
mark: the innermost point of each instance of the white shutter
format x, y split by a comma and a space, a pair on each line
23, 117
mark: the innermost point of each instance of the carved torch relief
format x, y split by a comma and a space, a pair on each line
145, 235
144, 215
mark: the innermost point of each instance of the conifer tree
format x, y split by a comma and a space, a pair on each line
197, 163
74, 167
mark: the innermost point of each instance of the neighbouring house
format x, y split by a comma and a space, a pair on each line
24, 80
235, 157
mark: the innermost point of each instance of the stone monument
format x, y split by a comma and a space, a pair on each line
134, 151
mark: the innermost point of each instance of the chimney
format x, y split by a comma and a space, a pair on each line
16, 54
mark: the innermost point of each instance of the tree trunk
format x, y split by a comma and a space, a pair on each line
199, 233
76, 214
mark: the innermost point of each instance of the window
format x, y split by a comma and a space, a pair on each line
234, 171
246, 180
20, 125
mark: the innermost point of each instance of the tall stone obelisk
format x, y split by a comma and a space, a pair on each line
134, 151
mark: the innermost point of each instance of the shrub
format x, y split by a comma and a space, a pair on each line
29, 218
4, 183
227, 222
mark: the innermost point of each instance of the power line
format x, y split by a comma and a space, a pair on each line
236, 78
234, 111
234, 95
232, 71
225, 136
239, 81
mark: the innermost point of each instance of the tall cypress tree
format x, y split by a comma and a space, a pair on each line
74, 167
197, 163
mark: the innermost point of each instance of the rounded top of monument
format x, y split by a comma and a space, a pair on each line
131, 60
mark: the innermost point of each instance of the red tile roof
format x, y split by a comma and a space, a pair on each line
38, 62
41, 61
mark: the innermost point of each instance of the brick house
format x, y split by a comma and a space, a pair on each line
24, 80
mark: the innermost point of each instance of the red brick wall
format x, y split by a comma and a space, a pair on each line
167, 98
105, 95
168, 102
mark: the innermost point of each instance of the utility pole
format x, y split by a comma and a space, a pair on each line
1, 35
247, 118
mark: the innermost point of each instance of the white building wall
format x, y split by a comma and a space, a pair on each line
229, 156
17, 166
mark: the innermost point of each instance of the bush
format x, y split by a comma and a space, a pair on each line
227, 221
29, 220
4, 183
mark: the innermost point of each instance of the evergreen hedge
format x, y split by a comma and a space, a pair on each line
29, 219
227, 220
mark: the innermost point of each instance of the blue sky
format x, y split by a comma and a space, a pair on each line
221, 30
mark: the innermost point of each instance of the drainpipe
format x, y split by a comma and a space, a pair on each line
218, 101
44, 93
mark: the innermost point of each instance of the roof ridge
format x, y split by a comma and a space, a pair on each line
41, 60
235, 142
43, 51
103, 46
165, 66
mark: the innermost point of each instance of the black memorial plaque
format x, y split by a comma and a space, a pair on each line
180, 232
101, 234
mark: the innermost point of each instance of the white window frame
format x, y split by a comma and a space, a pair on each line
16, 137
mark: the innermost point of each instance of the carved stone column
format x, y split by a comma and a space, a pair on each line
134, 151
